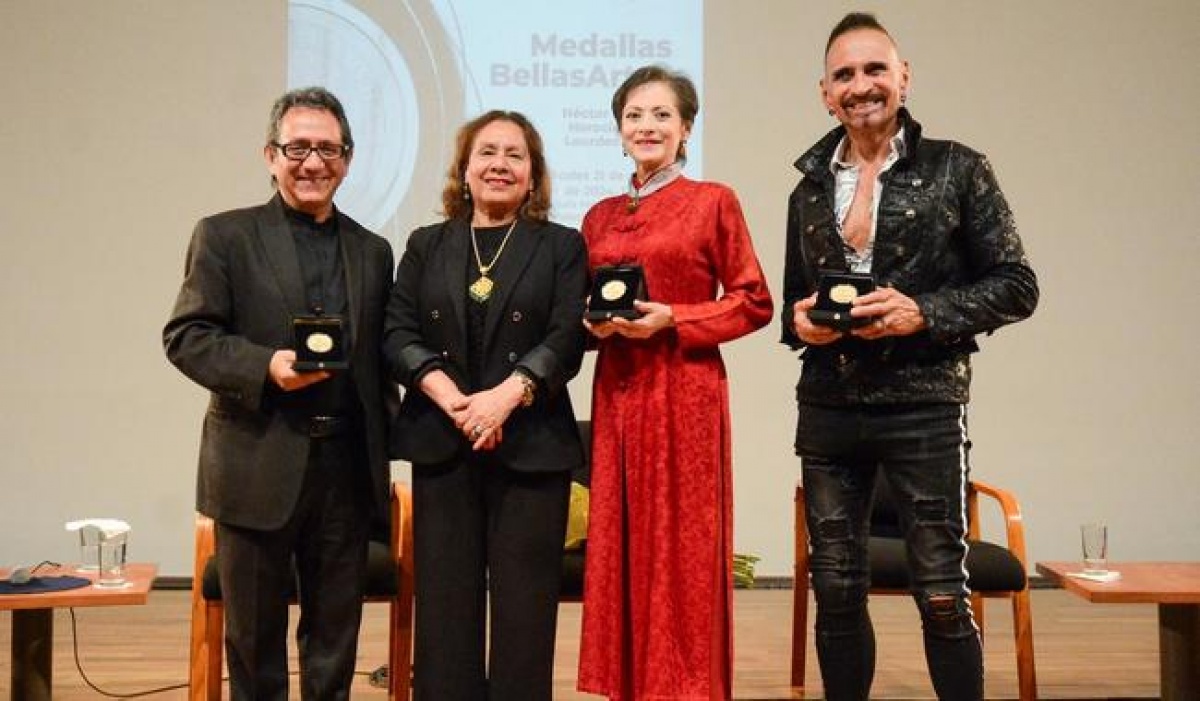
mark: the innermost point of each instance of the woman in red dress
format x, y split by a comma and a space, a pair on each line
657, 620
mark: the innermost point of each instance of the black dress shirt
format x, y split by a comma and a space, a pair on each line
319, 251
488, 239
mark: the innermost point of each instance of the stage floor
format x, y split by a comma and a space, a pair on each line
1083, 651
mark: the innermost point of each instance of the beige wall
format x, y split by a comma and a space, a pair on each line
124, 121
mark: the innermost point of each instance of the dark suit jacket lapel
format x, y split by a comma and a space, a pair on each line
280, 250
354, 264
456, 251
513, 260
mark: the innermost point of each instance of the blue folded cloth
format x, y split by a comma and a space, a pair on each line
41, 585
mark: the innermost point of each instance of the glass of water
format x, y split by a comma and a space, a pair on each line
1095, 548
112, 563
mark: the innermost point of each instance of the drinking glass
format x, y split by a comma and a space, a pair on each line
89, 549
112, 563
1095, 548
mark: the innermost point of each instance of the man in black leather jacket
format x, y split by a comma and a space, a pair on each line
927, 220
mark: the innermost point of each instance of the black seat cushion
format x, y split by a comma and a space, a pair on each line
990, 567
381, 574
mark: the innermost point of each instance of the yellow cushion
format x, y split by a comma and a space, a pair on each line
577, 517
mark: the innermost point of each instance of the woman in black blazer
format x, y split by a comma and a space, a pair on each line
484, 331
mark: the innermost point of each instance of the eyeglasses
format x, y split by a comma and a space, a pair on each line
299, 150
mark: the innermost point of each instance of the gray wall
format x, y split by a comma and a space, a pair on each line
125, 121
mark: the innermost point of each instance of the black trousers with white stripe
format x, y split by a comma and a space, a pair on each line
921, 451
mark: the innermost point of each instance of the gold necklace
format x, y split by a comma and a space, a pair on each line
481, 289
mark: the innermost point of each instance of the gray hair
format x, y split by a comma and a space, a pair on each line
316, 98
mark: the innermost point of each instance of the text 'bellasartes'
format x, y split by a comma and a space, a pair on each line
555, 61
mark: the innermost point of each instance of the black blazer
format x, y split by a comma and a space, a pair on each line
242, 285
534, 322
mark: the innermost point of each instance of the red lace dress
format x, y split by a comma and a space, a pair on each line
657, 620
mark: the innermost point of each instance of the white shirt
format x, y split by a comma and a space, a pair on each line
845, 176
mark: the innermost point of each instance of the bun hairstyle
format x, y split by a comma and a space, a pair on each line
686, 99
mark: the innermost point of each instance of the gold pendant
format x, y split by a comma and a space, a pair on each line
481, 289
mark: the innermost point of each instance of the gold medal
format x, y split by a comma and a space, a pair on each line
613, 290
481, 289
843, 294
318, 342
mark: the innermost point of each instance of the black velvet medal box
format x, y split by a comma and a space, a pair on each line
614, 289
320, 343
836, 293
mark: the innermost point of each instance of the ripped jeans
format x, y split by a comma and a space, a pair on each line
921, 450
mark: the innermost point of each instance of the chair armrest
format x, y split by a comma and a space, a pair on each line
401, 507
800, 538
206, 547
401, 617
1014, 524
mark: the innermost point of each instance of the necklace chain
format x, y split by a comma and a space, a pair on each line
481, 289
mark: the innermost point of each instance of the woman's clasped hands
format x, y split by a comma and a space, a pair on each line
481, 416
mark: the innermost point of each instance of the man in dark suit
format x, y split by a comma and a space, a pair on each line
293, 463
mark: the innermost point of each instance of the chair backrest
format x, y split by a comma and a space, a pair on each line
583, 473
885, 519
573, 560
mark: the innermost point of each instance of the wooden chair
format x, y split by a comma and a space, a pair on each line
389, 579
994, 571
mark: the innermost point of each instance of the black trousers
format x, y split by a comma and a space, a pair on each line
481, 529
921, 451
326, 539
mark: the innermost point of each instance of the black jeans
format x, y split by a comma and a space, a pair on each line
921, 450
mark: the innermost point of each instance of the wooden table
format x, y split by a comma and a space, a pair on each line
33, 622
1175, 588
